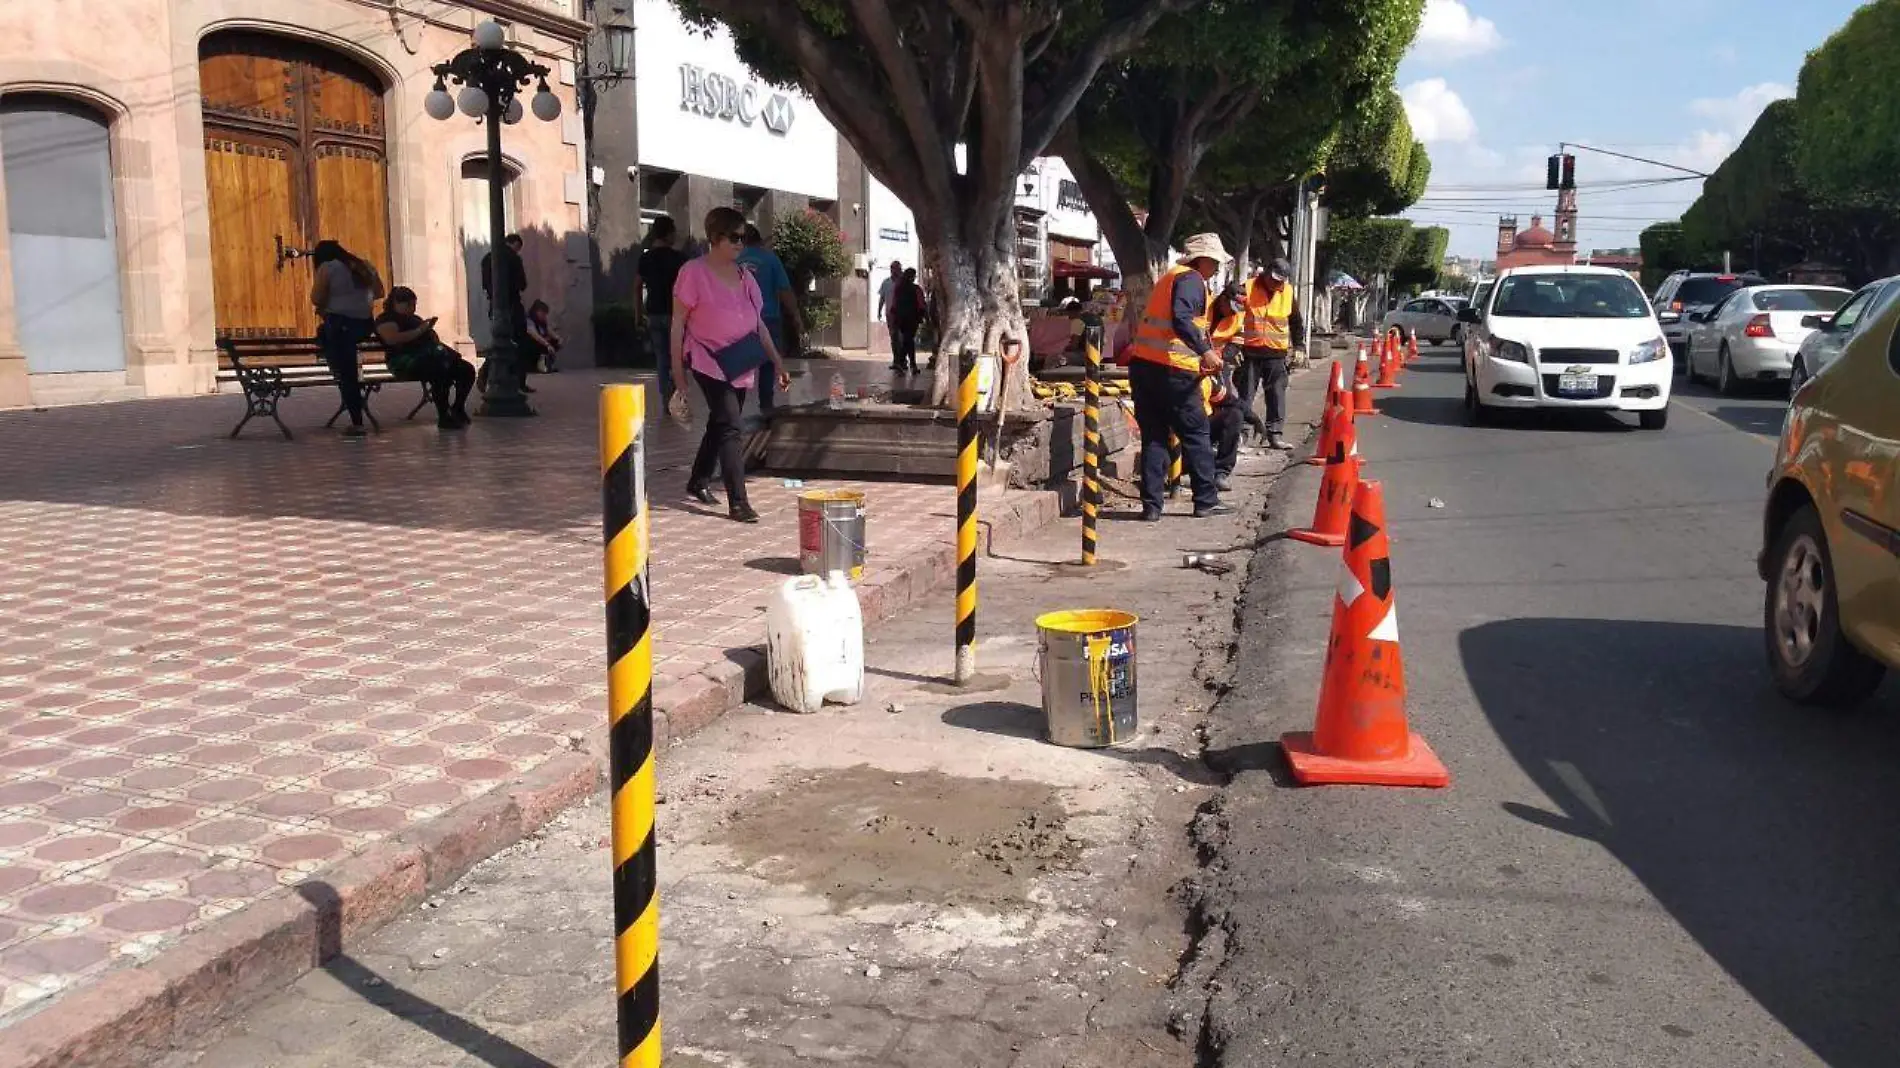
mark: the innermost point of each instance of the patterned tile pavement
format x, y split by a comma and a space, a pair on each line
227, 664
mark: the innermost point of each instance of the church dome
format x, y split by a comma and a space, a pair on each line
1536, 236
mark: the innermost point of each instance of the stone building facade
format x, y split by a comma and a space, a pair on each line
161, 157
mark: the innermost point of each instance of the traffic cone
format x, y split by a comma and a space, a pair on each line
1389, 356
1362, 387
1334, 507
1337, 396
1360, 734
1411, 348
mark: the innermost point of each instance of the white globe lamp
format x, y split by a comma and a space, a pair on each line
489, 36
472, 101
513, 114
547, 106
438, 104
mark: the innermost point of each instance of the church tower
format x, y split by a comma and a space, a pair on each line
1507, 233
1567, 220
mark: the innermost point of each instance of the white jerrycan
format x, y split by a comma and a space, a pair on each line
814, 643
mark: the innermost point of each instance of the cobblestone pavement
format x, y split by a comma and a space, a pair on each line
917, 880
226, 664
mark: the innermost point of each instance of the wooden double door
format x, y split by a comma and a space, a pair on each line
295, 153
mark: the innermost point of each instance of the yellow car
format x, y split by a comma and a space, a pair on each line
1831, 530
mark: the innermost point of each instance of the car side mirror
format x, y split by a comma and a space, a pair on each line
1814, 322
1668, 317
1468, 315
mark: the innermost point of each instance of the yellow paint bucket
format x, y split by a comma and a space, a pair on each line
831, 533
1086, 661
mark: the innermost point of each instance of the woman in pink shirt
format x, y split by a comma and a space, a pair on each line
716, 303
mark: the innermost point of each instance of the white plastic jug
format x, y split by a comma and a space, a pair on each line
814, 643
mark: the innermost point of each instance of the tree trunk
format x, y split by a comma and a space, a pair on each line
981, 306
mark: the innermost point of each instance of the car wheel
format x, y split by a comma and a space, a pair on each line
1796, 377
1655, 420
1476, 413
1725, 381
1811, 660
1683, 364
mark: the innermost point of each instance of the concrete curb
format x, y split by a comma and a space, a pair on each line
128, 1017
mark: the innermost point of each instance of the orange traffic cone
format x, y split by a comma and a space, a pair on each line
1337, 396
1360, 735
1411, 348
1389, 356
1362, 387
1334, 507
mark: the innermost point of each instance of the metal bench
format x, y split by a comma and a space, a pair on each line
269, 369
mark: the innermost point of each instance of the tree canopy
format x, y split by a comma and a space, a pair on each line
1423, 258
1367, 248
1848, 148
1376, 168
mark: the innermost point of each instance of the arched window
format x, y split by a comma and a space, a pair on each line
62, 234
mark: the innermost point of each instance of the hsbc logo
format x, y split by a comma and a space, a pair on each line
717, 96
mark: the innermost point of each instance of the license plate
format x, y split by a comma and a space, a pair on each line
1577, 384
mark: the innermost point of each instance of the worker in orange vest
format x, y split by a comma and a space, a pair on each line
1270, 320
1169, 356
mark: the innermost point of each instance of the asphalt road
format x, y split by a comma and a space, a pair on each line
1646, 858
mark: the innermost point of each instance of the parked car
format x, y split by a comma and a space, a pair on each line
1566, 337
1828, 333
1831, 528
1751, 335
1686, 292
1433, 319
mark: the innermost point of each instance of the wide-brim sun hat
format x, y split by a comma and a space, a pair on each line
1205, 246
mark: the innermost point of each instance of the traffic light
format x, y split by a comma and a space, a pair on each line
1570, 171
1552, 168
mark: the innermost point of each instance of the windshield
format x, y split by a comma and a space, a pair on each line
1705, 290
1800, 300
1483, 294
1557, 296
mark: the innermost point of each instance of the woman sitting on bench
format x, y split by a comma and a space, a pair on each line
414, 352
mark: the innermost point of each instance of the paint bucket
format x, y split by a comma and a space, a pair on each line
1086, 661
831, 532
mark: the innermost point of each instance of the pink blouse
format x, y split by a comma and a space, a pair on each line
716, 316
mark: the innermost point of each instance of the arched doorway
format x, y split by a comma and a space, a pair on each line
295, 152
62, 234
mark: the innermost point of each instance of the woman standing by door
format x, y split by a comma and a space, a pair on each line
718, 332
344, 289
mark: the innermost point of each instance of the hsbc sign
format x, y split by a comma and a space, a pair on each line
717, 96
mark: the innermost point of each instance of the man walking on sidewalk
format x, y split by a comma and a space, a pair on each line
1170, 355
1270, 318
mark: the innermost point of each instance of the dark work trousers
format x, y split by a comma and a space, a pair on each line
1246, 380
450, 379
721, 445
339, 337
904, 345
1265, 368
1225, 426
1169, 401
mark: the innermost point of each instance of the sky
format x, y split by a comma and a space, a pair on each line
1492, 86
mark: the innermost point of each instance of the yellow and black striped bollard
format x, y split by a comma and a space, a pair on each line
966, 518
630, 721
1174, 464
1091, 446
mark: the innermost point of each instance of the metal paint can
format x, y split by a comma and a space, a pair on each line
1086, 661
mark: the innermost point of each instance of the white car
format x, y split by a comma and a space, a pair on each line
1828, 333
1567, 337
1432, 319
1753, 333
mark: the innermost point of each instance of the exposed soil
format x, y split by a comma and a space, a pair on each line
863, 836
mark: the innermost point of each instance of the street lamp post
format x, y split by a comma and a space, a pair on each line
491, 75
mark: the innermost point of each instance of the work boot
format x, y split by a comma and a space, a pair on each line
1151, 515
1224, 482
1274, 442
1213, 511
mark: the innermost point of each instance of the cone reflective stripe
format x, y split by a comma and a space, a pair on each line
624, 527
966, 518
1336, 397
1362, 387
1360, 734
1091, 447
1334, 508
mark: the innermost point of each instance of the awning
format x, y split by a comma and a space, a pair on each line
1067, 269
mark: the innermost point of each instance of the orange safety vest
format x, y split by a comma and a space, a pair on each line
1264, 323
1155, 339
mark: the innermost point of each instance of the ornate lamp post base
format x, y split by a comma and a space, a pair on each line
514, 407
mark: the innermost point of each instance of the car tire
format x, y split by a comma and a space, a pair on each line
1476, 414
1656, 420
1725, 381
1683, 364
1457, 336
1812, 662
1797, 377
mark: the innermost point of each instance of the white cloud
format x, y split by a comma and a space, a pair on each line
1735, 114
1436, 113
1450, 31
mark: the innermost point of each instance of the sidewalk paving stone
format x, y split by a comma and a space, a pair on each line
225, 665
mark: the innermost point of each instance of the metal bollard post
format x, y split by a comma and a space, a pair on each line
1091, 446
1174, 465
966, 518
630, 721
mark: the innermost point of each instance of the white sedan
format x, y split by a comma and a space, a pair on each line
1567, 337
1432, 319
1753, 333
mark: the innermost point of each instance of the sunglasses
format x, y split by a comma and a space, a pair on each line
737, 237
